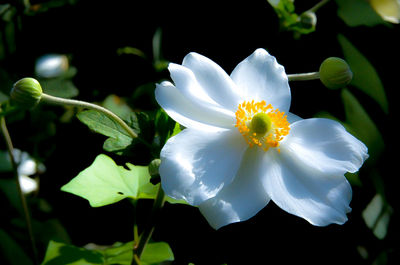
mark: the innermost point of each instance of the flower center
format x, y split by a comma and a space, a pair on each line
261, 124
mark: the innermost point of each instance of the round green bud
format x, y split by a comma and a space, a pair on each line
308, 20
153, 167
26, 93
335, 73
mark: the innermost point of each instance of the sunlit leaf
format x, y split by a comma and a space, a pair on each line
377, 216
177, 129
154, 253
357, 13
365, 76
105, 183
361, 125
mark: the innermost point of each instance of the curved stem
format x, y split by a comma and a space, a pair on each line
27, 217
78, 103
318, 6
304, 77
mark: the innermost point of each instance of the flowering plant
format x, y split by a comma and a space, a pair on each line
201, 163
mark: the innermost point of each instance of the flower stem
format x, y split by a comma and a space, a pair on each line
28, 222
78, 103
149, 229
318, 6
304, 77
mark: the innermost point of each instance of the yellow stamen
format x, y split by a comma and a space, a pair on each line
261, 125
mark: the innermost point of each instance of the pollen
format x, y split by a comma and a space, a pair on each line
261, 125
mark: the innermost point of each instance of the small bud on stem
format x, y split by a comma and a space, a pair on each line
26, 93
335, 73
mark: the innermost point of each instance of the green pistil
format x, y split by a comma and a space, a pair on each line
260, 124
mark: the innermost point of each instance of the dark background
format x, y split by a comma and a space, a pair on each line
90, 32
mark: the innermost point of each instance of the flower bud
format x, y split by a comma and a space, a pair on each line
153, 167
26, 92
308, 20
335, 73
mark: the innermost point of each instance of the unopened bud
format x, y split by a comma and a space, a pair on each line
26, 93
335, 73
153, 167
308, 20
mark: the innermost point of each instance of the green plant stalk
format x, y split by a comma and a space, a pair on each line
78, 103
318, 6
149, 229
28, 222
304, 77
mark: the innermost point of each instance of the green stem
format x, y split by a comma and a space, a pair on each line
135, 225
78, 103
318, 6
136, 260
149, 229
304, 77
27, 218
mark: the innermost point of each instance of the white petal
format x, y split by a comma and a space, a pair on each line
214, 80
190, 112
28, 184
260, 77
243, 198
196, 165
319, 198
326, 146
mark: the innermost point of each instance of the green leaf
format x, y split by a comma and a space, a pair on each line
154, 253
177, 129
357, 13
361, 125
120, 253
102, 124
377, 216
59, 87
164, 125
365, 76
132, 51
156, 43
105, 183
118, 106
60, 253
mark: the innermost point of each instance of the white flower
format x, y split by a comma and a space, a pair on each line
242, 147
389, 10
27, 166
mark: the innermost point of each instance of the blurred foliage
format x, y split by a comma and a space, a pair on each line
116, 52
118, 253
